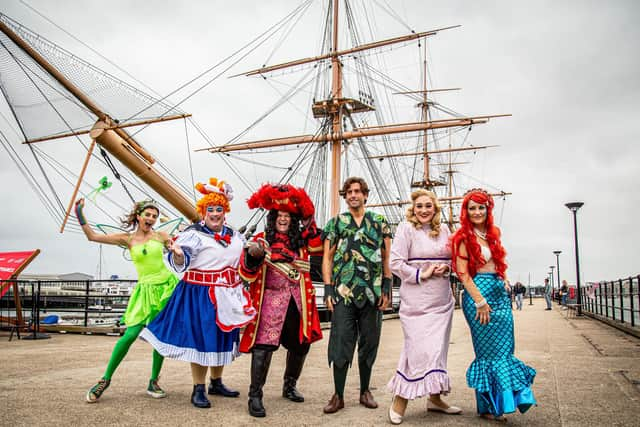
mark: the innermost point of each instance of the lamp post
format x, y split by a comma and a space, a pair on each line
573, 207
557, 254
553, 285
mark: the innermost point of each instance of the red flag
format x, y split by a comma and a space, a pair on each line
12, 264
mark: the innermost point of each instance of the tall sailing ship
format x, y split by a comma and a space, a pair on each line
361, 104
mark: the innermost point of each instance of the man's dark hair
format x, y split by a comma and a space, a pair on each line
354, 180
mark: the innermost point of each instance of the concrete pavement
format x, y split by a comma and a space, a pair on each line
588, 374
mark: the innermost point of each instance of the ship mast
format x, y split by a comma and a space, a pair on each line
113, 138
450, 186
336, 116
334, 108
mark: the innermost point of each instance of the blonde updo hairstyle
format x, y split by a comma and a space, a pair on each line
437, 216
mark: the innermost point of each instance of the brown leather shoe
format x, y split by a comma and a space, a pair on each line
334, 405
366, 399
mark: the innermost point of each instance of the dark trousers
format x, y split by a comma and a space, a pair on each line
350, 324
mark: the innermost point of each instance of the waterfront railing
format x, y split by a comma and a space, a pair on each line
83, 303
87, 305
617, 301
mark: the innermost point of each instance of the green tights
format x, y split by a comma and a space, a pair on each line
121, 349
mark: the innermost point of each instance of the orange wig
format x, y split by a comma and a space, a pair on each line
216, 193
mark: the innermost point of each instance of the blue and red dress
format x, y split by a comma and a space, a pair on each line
202, 320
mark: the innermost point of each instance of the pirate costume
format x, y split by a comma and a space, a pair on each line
281, 291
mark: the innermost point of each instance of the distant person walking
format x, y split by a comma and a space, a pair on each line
547, 293
564, 294
502, 383
519, 290
152, 292
421, 257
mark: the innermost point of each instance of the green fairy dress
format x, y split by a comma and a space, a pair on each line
155, 284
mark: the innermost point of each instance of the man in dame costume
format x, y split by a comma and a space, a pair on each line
276, 264
202, 320
355, 269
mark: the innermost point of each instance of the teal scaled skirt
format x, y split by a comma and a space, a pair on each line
502, 382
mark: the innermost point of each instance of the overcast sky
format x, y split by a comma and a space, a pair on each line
568, 72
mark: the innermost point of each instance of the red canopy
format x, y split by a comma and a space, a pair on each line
12, 264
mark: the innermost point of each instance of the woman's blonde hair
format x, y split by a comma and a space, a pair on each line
437, 216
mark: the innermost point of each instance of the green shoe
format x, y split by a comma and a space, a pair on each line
155, 391
96, 391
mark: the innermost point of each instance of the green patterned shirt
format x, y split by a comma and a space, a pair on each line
357, 263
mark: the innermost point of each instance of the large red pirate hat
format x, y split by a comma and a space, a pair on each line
282, 197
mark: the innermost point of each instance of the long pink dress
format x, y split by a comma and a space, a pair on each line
426, 310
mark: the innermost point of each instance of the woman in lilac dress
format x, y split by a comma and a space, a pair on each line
421, 257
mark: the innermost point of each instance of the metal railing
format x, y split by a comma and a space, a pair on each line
83, 303
86, 304
617, 300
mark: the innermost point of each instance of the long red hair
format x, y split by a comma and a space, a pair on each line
466, 235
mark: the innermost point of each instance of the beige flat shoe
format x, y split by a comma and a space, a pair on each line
394, 417
451, 410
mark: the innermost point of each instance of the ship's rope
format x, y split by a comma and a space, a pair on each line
284, 98
29, 73
65, 173
366, 84
322, 67
96, 52
393, 14
26, 172
266, 35
222, 156
193, 183
111, 166
303, 157
258, 163
285, 34
24, 68
24, 135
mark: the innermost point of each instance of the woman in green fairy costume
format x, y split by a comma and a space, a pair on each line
155, 285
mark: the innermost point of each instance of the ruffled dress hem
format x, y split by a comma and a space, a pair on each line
497, 393
505, 402
192, 355
432, 382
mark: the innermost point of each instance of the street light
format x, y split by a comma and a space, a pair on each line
557, 254
553, 285
573, 207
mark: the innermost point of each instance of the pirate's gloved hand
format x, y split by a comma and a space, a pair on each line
329, 292
310, 229
253, 256
386, 285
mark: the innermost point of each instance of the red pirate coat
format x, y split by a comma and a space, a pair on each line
309, 330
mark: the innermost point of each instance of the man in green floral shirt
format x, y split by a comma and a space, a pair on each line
355, 269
